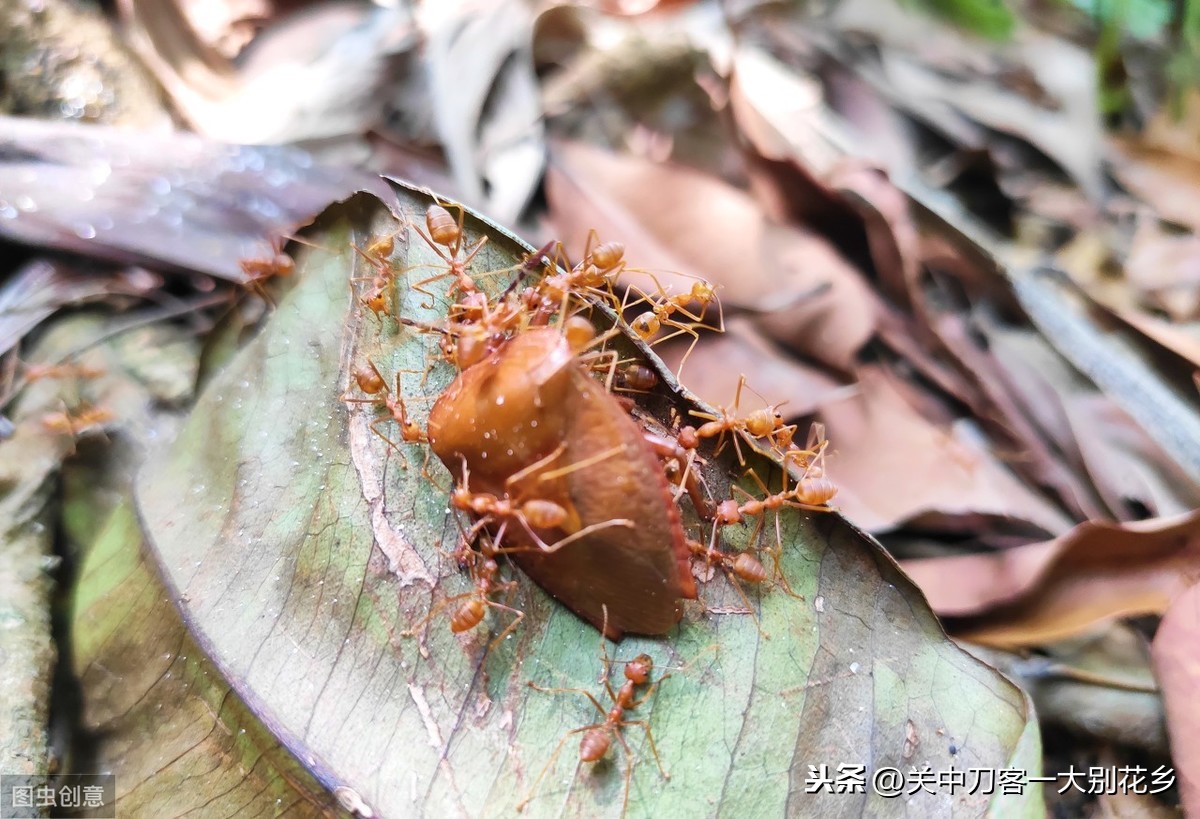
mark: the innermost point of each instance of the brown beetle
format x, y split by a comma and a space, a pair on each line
520, 404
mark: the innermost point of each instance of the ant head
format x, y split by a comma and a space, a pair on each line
472, 347
638, 669
728, 511
376, 302
460, 498
466, 474
704, 292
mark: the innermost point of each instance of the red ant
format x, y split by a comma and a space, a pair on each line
76, 424
485, 573
480, 330
447, 232
537, 513
763, 423
377, 253
811, 492
742, 566
372, 382
37, 372
814, 487
476, 326
598, 737
260, 269
594, 274
647, 324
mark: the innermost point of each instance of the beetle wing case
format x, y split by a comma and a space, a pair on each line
517, 407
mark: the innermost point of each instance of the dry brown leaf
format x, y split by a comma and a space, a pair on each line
1039, 383
487, 107
1126, 466
1167, 182
1037, 87
1003, 410
714, 367
1099, 685
800, 172
1173, 129
833, 312
1035, 594
780, 111
317, 74
171, 201
1103, 449
891, 234
634, 7
1183, 339
227, 25
791, 188
1121, 804
886, 135
672, 218
1165, 269
1089, 260
40, 288
1176, 653
892, 465
910, 340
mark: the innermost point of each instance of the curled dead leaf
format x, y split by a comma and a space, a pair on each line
1178, 669
1047, 591
878, 436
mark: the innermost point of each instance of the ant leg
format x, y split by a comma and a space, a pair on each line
517, 477
714, 556
584, 464
582, 691
681, 329
436, 248
737, 586
517, 618
478, 246
550, 548
375, 428
611, 366
437, 607
417, 287
553, 756
777, 561
689, 481
643, 296
645, 724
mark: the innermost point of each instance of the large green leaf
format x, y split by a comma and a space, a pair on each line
152, 710
164, 721
300, 546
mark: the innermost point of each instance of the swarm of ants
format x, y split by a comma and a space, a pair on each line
552, 466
